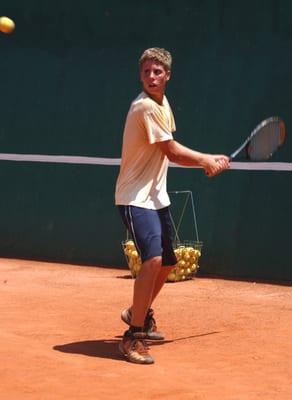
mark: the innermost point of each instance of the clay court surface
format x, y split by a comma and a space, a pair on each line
60, 327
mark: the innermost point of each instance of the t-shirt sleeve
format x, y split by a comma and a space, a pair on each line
158, 125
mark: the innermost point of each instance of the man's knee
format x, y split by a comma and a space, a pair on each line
151, 266
154, 262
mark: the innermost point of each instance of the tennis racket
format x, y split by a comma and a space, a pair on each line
263, 141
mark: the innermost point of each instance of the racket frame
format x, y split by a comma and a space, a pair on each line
256, 130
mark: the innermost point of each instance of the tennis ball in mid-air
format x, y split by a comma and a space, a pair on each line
6, 25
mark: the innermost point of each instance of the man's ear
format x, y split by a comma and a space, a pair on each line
140, 75
168, 75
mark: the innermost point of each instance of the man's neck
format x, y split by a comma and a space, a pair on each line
157, 98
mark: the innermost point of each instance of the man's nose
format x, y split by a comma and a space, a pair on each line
152, 75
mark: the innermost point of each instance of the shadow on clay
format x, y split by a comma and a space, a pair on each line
108, 348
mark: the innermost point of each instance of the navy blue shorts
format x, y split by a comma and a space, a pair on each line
152, 232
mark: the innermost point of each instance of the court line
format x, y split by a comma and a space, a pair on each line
62, 159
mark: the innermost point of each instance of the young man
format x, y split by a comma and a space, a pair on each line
142, 198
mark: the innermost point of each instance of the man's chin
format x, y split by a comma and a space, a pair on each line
154, 90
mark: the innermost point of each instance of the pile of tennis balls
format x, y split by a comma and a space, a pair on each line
187, 261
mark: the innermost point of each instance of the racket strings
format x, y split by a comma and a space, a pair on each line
265, 142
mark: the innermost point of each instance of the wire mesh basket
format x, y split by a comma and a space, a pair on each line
187, 252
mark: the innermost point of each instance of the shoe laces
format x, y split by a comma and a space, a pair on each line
140, 346
150, 322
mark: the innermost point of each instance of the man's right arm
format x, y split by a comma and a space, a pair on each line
182, 155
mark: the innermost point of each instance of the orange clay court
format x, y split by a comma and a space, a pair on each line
60, 327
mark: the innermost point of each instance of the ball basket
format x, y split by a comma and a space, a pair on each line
187, 252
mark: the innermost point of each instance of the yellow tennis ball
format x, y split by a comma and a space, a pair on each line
171, 277
134, 253
181, 264
6, 25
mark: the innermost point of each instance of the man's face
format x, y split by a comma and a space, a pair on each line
154, 78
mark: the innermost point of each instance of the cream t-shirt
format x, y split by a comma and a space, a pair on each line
143, 172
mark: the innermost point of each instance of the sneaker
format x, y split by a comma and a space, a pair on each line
134, 348
150, 327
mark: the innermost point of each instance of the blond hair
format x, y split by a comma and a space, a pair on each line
157, 54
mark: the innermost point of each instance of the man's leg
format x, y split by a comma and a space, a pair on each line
145, 286
149, 322
133, 345
160, 281
169, 256
161, 276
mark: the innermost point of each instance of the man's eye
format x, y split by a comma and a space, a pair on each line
157, 72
